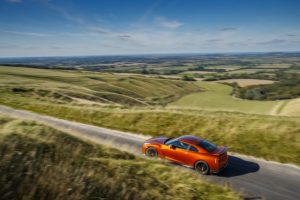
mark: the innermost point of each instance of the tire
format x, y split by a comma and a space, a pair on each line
151, 152
202, 167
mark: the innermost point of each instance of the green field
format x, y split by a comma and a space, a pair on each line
43, 163
242, 125
217, 98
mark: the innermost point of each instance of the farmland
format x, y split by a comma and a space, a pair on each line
169, 64
246, 82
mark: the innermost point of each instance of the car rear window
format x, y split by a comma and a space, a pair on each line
207, 146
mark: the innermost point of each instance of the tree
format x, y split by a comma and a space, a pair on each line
145, 71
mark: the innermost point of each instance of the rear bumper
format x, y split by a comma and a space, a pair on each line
222, 167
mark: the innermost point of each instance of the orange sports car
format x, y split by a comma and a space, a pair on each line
188, 150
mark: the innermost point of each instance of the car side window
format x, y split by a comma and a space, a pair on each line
175, 143
193, 149
179, 144
183, 145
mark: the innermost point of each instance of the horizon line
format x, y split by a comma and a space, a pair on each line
154, 54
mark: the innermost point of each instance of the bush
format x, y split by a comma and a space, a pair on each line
188, 77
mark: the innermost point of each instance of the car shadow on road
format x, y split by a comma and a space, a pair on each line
238, 167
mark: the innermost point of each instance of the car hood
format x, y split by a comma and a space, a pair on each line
157, 140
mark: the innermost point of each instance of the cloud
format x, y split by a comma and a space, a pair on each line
14, 1
270, 42
8, 46
67, 15
213, 40
124, 36
149, 11
291, 35
228, 29
26, 33
57, 47
98, 30
170, 24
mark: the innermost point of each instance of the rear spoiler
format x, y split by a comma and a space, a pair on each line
220, 150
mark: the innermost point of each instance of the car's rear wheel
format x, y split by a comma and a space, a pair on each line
202, 167
151, 152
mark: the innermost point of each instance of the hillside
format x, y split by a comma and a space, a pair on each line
77, 87
38, 162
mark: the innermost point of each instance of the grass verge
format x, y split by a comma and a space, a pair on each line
38, 162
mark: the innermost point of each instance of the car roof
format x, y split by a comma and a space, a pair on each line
191, 139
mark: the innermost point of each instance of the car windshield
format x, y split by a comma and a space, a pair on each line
167, 140
170, 140
207, 146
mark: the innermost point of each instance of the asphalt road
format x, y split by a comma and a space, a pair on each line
256, 178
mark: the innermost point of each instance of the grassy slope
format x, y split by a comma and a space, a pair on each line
291, 108
38, 162
100, 87
218, 98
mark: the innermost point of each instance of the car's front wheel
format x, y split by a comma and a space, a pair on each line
202, 167
151, 152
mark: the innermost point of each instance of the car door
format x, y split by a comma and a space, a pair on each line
176, 151
168, 151
193, 155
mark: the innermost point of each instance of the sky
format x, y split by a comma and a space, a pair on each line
114, 27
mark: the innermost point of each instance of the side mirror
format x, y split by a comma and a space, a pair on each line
172, 147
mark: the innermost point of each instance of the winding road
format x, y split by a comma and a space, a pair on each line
255, 178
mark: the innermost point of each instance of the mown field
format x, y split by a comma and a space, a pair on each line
246, 82
38, 162
244, 126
